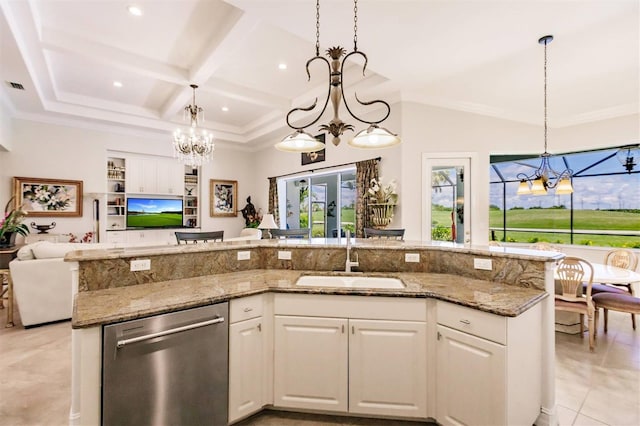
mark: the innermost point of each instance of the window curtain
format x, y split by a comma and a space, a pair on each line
273, 199
365, 171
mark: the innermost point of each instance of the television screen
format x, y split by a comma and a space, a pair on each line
154, 213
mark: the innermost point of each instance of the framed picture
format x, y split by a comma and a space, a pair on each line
223, 196
48, 197
314, 157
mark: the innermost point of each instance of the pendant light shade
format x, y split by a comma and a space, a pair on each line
564, 187
523, 188
374, 137
299, 141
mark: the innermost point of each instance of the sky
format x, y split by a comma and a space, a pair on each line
590, 193
148, 205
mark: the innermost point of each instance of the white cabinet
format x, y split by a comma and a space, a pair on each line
310, 363
387, 368
169, 177
246, 357
149, 175
363, 355
245, 368
141, 175
488, 367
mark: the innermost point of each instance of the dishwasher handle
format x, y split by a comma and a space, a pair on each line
122, 343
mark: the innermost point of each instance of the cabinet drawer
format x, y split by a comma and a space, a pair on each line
245, 308
482, 324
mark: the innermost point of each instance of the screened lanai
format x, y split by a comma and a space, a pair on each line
603, 210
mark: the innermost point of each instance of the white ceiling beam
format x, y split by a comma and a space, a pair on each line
60, 41
210, 60
245, 94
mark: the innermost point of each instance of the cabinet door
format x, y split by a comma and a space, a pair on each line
246, 376
169, 177
471, 380
141, 175
388, 368
310, 363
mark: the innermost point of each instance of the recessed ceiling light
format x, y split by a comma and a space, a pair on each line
282, 66
225, 109
117, 84
135, 10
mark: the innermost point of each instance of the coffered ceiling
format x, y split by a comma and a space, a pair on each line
473, 55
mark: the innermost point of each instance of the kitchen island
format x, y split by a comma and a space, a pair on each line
443, 279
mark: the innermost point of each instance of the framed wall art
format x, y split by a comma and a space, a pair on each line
43, 197
223, 196
317, 156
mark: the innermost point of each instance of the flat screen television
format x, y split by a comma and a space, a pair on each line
154, 213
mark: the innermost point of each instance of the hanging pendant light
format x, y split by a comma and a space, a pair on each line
195, 146
545, 177
373, 137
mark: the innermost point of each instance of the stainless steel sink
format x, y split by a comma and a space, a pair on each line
348, 281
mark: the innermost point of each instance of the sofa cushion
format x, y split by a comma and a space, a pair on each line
49, 250
25, 252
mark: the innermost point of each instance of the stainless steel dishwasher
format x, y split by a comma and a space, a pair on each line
170, 369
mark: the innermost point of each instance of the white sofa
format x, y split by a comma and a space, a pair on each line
247, 234
42, 285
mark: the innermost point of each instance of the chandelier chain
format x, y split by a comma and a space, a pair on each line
545, 97
317, 27
355, 25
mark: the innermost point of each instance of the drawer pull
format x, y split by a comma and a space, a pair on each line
466, 322
248, 309
259, 327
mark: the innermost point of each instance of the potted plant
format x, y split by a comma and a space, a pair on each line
11, 224
382, 200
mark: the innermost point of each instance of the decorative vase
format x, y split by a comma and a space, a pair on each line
8, 239
381, 215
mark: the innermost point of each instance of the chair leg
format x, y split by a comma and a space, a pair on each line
606, 320
581, 325
595, 324
633, 317
592, 333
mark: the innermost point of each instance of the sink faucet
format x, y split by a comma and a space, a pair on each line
349, 263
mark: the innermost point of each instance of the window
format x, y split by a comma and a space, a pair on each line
604, 209
323, 202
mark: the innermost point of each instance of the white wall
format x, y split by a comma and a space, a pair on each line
53, 151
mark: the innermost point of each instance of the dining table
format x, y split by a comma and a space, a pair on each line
608, 274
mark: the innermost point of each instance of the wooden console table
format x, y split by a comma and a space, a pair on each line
6, 256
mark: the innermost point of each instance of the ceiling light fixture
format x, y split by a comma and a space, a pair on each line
225, 109
282, 66
135, 10
628, 155
117, 84
545, 177
372, 137
195, 147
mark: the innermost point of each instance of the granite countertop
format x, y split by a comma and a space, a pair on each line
357, 243
99, 307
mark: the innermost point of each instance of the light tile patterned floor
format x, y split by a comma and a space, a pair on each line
600, 388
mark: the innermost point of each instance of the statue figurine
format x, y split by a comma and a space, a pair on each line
249, 213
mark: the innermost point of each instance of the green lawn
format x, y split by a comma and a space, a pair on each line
559, 218
157, 219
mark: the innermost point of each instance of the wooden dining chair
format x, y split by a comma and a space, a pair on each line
571, 272
621, 258
291, 233
194, 237
390, 234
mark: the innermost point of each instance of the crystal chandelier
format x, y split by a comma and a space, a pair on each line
545, 177
193, 148
372, 137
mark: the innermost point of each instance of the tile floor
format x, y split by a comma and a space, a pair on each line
600, 388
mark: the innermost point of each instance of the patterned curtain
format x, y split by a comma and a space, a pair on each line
365, 171
273, 198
